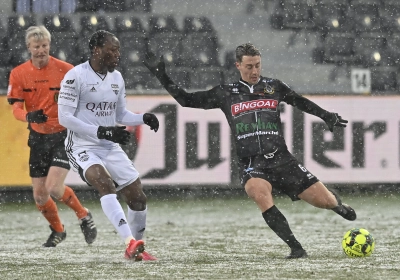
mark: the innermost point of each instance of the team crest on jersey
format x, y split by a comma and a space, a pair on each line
93, 89
116, 91
83, 156
269, 90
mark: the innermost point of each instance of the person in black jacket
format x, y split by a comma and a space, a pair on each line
251, 107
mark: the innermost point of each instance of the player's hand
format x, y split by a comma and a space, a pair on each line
36, 116
154, 64
151, 120
116, 134
333, 119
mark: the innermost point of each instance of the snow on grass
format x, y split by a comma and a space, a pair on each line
204, 239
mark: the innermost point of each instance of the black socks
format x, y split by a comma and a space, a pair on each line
278, 223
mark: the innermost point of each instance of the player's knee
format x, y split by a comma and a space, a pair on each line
258, 189
137, 205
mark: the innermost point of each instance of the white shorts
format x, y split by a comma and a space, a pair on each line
114, 160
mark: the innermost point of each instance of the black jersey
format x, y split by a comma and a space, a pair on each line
252, 112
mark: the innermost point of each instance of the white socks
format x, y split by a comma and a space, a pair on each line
137, 222
116, 215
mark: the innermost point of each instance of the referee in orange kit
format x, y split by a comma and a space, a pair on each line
36, 84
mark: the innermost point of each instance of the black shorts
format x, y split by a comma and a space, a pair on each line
46, 150
290, 178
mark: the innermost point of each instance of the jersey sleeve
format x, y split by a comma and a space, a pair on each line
15, 89
304, 104
209, 99
124, 116
70, 89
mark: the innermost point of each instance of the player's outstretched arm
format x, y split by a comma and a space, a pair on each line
200, 99
331, 119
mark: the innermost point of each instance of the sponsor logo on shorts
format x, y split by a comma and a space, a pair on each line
61, 160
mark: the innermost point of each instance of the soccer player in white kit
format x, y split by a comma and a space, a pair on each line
90, 105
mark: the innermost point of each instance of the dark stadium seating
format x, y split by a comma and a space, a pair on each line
193, 24
393, 49
206, 77
133, 47
200, 49
230, 59
64, 38
384, 78
4, 52
58, 23
365, 15
338, 49
139, 5
295, 15
140, 78
17, 49
133, 40
167, 44
4, 74
128, 24
390, 14
19, 23
370, 49
331, 16
162, 24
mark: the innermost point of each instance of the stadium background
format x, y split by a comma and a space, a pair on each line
192, 148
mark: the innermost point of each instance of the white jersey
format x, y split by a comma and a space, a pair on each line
96, 99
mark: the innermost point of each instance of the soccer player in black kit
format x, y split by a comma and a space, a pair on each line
251, 107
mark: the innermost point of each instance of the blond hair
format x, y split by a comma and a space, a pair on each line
38, 32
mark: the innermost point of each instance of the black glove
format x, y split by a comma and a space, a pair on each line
117, 134
152, 121
36, 116
155, 65
333, 119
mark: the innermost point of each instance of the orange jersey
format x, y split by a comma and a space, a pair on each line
38, 89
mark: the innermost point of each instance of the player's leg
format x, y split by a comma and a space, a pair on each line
46, 205
130, 189
135, 199
320, 196
260, 191
39, 163
91, 166
57, 189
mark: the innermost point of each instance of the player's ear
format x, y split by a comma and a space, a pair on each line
237, 64
96, 50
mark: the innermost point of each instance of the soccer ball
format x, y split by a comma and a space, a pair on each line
358, 242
